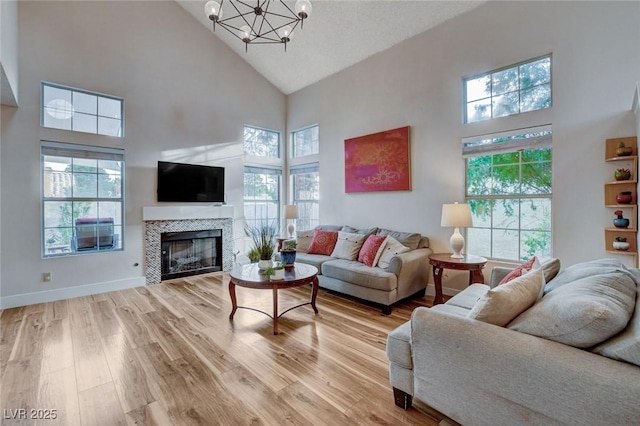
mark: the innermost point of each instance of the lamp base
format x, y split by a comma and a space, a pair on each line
457, 244
291, 229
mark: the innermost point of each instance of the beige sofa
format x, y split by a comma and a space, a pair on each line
482, 374
406, 275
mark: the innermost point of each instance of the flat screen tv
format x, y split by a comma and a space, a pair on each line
190, 183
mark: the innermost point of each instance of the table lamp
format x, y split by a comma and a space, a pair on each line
457, 216
291, 214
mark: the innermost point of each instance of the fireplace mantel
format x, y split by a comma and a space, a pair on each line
185, 212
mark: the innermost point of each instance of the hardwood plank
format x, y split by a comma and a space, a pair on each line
99, 406
313, 406
136, 301
57, 391
129, 378
58, 346
106, 320
91, 365
11, 322
133, 326
150, 415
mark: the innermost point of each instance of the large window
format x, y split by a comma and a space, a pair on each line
79, 110
262, 196
508, 186
305, 142
306, 195
261, 142
507, 91
82, 199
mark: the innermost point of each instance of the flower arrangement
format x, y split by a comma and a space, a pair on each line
618, 213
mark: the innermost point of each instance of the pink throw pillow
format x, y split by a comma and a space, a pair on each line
370, 251
323, 242
517, 272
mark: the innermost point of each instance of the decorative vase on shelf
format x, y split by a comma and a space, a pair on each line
619, 221
624, 197
621, 244
623, 151
622, 174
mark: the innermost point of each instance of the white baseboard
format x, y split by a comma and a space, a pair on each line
25, 299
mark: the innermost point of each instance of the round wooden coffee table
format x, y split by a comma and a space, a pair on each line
250, 277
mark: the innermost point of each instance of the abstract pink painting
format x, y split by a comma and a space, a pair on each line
378, 162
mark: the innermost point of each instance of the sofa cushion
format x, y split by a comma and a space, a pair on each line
502, 304
399, 346
583, 270
323, 242
624, 346
313, 259
392, 248
366, 231
584, 312
348, 245
372, 249
360, 274
468, 297
409, 239
550, 268
304, 238
452, 310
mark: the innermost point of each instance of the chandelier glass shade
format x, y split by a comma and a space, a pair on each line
258, 21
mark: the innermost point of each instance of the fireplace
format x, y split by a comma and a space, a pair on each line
190, 253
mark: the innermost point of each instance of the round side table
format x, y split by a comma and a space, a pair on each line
442, 261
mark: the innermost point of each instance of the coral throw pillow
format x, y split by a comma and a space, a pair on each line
372, 249
517, 272
323, 242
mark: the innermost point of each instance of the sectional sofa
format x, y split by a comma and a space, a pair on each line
573, 357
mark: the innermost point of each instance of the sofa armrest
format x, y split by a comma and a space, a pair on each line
497, 274
479, 373
412, 270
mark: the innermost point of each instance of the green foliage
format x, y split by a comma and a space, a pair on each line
263, 238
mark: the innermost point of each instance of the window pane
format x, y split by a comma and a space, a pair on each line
478, 88
505, 243
479, 241
84, 123
54, 119
85, 103
536, 214
57, 241
85, 185
56, 184
535, 243
260, 142
109, 186
506, 104
111, 210
110, 108
505, 81
506, 179
536, 178
85, 165
306, 142
57, 103
506, 214
57, 214
481, 212
479, 110
535, 73
477, 182
535, 98
506, 158
531, 155
109, 127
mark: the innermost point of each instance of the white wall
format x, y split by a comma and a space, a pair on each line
187, 97
9, 52
596, 62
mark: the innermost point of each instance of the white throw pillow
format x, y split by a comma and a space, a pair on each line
304, 238
392, 248
500, 305
348, 245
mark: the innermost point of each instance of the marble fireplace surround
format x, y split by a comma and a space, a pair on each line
159, 219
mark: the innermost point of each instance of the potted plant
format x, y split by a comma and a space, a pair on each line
288, 253
263, 237
620, 221
621, 244
622, 174
275, 272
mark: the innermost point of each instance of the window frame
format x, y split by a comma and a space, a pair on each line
253, 155
75, 90
262, 170
491, 96
305, 169
540, 138
49, 148
293, 141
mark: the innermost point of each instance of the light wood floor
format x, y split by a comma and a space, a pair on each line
167, 354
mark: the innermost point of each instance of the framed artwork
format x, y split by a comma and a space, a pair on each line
378, 162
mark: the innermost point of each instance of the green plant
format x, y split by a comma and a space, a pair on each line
290, 245
254, 255
263, 237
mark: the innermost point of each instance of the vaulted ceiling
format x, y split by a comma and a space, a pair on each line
336, 35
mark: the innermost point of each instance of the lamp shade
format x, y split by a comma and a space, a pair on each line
456, 215
290, 211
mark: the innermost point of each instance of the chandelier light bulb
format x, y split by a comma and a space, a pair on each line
285, 34
245, 33
303, 9
212, 10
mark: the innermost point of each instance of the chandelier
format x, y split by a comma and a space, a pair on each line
262, 22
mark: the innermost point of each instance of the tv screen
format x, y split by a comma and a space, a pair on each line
190, 183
